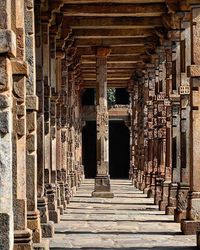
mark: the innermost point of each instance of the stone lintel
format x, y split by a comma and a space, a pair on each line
8, 42
194, 71
20, 68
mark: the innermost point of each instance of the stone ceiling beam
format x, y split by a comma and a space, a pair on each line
112, 1
113, 22
111, 83
117, 59
112, 66
109, 71
148, 9
85, 42
112, 33
135, 50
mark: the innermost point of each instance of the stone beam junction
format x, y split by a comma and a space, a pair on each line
50, 52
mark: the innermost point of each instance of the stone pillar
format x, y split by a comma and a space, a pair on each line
150, 125
145, 170
140, 137
8, 49
50, 174
176, 143
153, 91
47, 95
33, 215
134, 129
64, 133
47, 226
192, 222
22, 235
58, 154
184, 184
160, 128
102, 180
61, 131
167, 128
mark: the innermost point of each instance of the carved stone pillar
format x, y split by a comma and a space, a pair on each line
8, 49
167, 127
22, 235
150, 126
192, 222
184, 184
47, 226
175, 141
102, 180
33, 215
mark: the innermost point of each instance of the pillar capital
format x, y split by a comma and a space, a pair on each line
103, 51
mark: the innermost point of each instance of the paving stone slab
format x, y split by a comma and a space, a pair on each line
128, 221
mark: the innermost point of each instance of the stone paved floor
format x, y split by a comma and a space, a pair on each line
129, 221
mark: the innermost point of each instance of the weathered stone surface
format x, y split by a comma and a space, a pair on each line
129, 220
19, 68
8, 42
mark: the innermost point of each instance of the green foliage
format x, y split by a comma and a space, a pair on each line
111, 96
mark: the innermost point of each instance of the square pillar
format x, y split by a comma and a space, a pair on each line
102, 180
192, 222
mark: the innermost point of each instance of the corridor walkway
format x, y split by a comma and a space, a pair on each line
129, 221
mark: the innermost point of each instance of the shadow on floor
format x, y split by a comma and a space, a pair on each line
128, 248
118, 220
114, 203
117, 232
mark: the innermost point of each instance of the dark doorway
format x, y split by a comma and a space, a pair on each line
119, 150
89, 149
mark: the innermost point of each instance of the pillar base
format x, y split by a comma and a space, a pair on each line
54, 215
47, 229
146, 190
172, 201
44, 245
182, 202
190, 227
33, 223
165, 196
23, 240
152, 189
62, 194
158, 191
46, 225
68, 194
179, 215
54, 212
192, 223
102, 187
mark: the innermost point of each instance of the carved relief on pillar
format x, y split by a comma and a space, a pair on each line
6, 127
102, 122
192, 222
